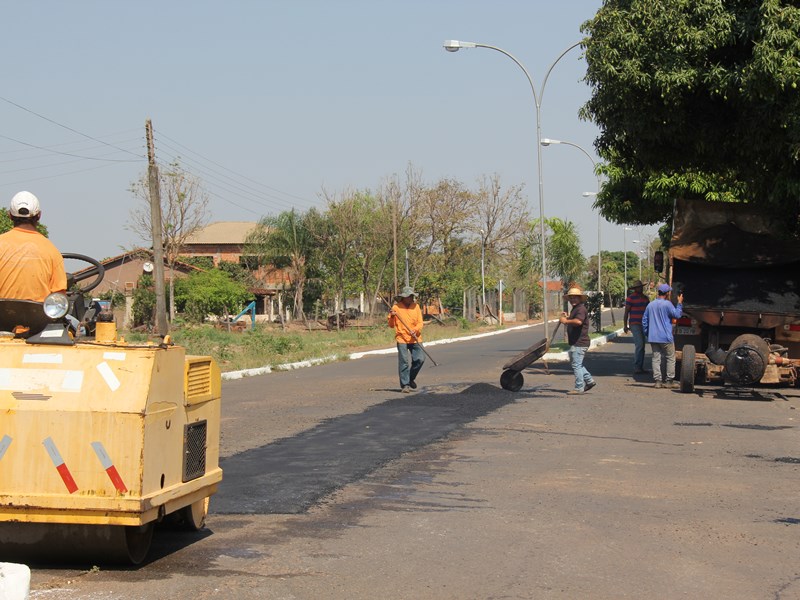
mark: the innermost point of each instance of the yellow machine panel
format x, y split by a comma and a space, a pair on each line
106, 434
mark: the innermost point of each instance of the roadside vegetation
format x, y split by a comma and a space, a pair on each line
270, 345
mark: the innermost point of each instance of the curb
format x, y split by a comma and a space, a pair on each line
559, 356
15, 581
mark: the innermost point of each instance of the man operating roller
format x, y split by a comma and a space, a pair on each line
31, 267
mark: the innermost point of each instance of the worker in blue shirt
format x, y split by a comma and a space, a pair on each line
657, 326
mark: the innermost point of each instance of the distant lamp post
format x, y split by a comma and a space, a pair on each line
547, 142
625, 231
455, 46
642, 251
483, 278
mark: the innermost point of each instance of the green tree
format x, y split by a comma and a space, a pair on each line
144, 301
564, 257
285, 242
697, 99
213, 292
184, 211
6, 224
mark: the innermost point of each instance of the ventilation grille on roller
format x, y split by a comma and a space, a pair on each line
194, 450
198, 381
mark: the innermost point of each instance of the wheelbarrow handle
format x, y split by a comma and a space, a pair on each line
553, 335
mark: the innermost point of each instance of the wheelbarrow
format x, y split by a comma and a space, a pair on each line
511, 379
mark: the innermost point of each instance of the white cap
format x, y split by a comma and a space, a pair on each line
24, 204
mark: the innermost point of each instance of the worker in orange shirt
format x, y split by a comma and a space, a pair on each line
31, 267
405, 317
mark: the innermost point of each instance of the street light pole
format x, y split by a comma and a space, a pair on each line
455, 46
640, 263
483, 278
546, 142
625, 231
639, 254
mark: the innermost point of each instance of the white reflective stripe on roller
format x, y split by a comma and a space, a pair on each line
49, 359
4, 444
108, 375
36, 380
114, 355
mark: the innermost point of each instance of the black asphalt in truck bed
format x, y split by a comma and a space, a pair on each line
290, 475
766, 289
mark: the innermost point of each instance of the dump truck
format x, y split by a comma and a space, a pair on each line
100, 439
739, 270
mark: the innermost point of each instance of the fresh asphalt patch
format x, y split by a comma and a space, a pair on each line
290, 475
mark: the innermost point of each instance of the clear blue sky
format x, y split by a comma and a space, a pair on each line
269, 102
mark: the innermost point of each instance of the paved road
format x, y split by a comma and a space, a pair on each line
465, 490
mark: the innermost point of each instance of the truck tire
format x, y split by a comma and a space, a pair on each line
688, 369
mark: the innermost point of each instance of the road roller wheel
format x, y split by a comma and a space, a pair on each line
688, 369
137, 541
41, 543
189, 518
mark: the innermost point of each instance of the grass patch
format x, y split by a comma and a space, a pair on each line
269, 345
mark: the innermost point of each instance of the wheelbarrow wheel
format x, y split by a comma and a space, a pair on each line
511, 380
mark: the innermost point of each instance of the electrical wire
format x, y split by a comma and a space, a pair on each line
67, 127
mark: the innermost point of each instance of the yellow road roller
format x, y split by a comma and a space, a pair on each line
100, 439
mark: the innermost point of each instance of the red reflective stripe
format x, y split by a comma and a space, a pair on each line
684, 321
66, 476
116, 479
794, 327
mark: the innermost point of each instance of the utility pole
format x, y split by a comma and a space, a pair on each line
162, 327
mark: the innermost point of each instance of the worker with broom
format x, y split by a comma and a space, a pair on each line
405, 317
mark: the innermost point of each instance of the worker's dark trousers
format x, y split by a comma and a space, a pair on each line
408, 373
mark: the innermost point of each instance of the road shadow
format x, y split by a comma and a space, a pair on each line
290, 475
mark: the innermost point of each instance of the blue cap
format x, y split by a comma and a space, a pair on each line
664, 288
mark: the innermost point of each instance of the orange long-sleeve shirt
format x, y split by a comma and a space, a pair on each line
31, 267
411, 316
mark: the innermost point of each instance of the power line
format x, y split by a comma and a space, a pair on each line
5, 137
7, 183
67, 127
232, 171
26, 153
233, 185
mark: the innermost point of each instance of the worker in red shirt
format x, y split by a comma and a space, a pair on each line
635, 304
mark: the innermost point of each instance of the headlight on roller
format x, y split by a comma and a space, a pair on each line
56, 305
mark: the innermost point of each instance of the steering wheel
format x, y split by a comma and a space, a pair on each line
96, 270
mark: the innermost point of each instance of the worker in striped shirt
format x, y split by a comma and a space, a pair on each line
635, 304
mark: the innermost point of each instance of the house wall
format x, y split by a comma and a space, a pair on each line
122, 276
217, 252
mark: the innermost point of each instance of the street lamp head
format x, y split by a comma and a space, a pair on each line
455, 45
589, 194
548, 141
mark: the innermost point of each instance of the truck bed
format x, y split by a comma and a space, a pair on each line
772, 289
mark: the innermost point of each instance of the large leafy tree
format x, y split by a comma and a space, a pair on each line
285, 242
695, 98
184, 211
564, 258
212, 292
